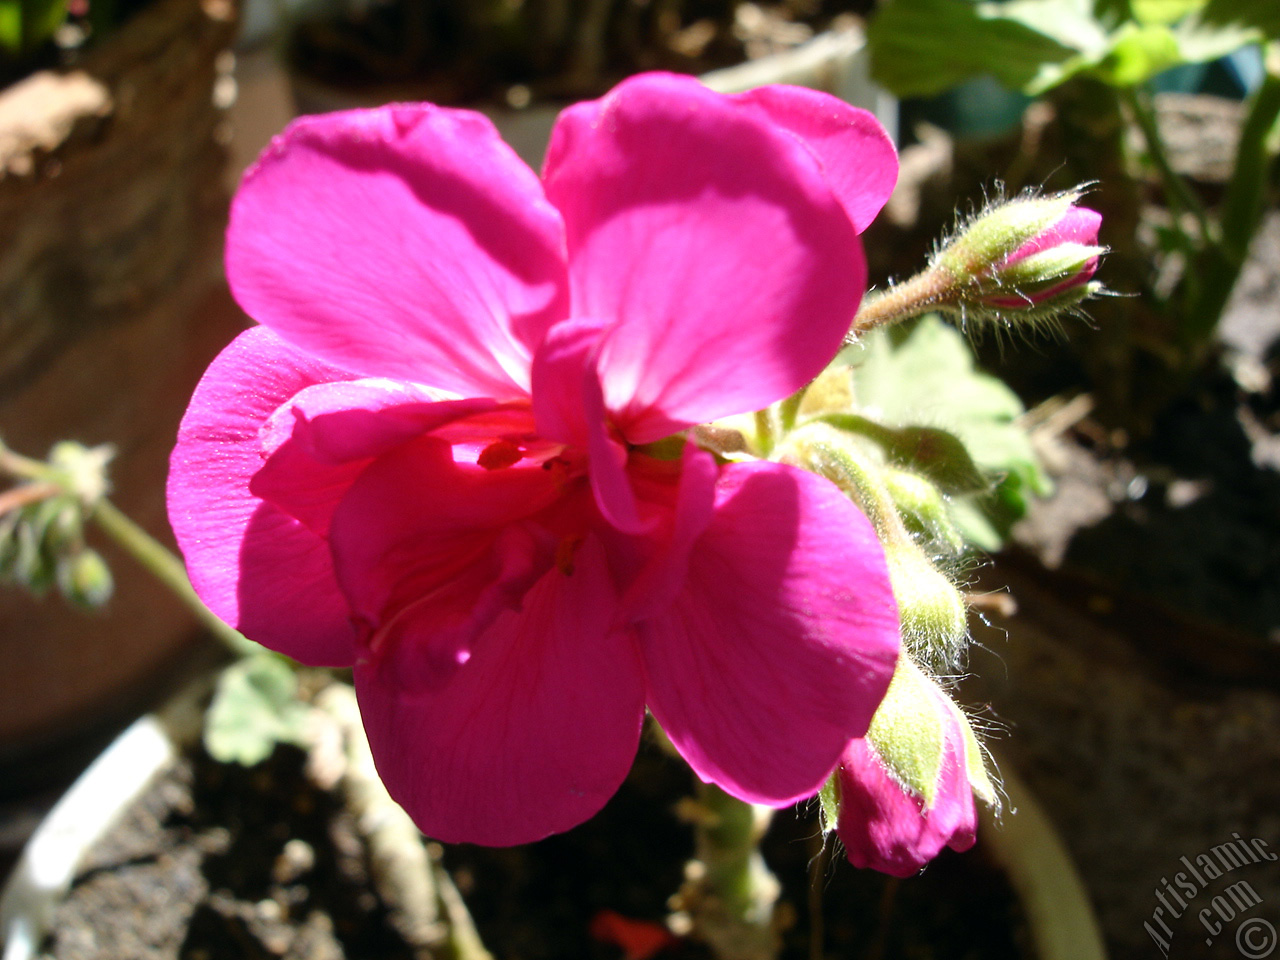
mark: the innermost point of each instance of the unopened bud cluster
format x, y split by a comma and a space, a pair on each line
1024, 260
42, 521
906, 789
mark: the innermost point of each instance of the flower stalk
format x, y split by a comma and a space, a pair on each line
729, 893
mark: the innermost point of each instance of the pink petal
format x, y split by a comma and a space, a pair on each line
532, 735
859, 159
783, 641
686, 496
318, 443
429, 552
1078, 225
885, 828
712, 241
569, 406
257, 568
407, 242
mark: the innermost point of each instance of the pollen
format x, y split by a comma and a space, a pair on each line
499, 455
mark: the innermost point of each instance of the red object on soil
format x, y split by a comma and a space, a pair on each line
639, 939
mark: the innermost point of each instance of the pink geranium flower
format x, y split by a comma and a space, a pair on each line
431, 459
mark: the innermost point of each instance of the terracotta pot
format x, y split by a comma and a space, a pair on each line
112, 205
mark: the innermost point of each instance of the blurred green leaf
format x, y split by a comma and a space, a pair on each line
26, 25
929, 380
923, 47
11, 26
254, 707
1164, 12
1260, 15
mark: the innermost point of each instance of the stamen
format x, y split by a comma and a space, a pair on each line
499, 455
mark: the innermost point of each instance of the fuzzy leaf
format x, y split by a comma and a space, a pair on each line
929, 379
937, 454
254, 707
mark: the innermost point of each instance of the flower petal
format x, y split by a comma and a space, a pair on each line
569, 406
406, 242
532, 735
319, 442
430, 551
711, 241
783, 641
857, 155
257, 568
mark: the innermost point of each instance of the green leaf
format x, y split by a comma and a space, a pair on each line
1166, 12
930, 380
923, 47
11, 26
254, 707
1245, 15
937, 454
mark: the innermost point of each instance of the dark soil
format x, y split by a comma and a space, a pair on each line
222, 862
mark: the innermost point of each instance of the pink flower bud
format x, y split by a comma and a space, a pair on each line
906, 790
1062, 258
1029, 259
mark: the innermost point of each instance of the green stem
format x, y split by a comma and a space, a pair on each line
731, 893
168, 569
901, 301
789, 409
766, 431
1243, 204
1242, 208
1179, 195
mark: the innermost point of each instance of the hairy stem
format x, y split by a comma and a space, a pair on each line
730, 893
901, 301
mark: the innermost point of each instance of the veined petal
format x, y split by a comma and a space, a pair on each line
532, 734
858, 158
319, 442
783, 641
430, 551
257, 568
711, 240
405, 242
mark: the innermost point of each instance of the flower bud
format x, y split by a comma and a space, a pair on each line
1034, 257
934, 618
906, 790
85, 579
924, 510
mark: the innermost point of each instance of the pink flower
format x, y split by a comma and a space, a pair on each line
430, 461
895, 826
